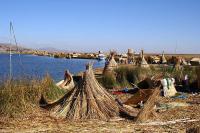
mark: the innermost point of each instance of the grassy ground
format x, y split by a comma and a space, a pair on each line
22, 95
40, 121
20, 112
123, 76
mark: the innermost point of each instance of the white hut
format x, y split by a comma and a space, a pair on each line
163, 59
143, 62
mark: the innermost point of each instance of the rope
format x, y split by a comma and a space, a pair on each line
12, 33
10, 58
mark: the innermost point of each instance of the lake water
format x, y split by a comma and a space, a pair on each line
38, 66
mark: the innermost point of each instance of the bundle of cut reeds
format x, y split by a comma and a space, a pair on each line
88, 100
145, 113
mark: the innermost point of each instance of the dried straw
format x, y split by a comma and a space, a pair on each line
145, 113
88, 100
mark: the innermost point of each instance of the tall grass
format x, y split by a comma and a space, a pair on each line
179, 74
109, 80
21, 95
198, 76
123, 76
132, 74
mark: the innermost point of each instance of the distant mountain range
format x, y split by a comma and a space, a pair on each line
4, 47
51, 49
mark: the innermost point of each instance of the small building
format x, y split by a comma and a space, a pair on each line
195, 61
143, 62
110, 65
163, 59
130, 56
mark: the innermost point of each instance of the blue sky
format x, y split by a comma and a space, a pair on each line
92, 25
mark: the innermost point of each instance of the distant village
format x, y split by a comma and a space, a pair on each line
130, 57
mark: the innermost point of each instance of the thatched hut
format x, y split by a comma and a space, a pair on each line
130, 56
87, 100
143, 62
195, 61
163, 59
154, 59
110, 65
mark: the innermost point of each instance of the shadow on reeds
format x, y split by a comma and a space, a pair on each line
126, 116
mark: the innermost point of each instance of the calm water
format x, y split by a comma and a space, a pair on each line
38, 66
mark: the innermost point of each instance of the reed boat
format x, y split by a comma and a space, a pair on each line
66, 84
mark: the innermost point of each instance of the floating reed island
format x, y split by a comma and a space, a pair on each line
121, 58
128, 58
131, 89
89, 99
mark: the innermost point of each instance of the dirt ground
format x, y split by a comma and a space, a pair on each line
43, 123
175, 120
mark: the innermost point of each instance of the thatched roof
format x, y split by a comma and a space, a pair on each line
195, 61
155, 59
143, 62
163, 59
88, 100
112, 64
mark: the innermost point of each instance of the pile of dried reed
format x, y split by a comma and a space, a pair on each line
145, 113
87, 100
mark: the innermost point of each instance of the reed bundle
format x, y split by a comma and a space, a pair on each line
145, 113
87, 100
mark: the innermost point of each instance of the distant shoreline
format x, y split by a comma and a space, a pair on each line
7, 52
